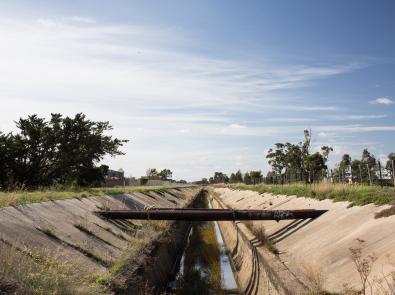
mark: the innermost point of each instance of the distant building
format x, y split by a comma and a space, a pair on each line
114, 178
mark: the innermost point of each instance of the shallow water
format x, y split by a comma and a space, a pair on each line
228, 279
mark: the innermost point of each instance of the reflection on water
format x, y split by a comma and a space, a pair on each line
205, 267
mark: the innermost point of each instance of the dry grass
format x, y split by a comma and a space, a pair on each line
40, 272
357, 194
260, 235
22, 197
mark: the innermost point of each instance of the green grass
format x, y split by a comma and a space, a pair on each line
357, 194
22, 197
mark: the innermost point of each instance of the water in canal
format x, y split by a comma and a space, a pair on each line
205, 266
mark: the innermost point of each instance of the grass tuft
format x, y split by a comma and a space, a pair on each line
261, 236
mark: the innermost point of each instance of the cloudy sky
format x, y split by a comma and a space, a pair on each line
208, 85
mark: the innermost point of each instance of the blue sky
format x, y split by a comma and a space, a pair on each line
204, 86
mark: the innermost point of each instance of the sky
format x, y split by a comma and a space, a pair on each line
208, 85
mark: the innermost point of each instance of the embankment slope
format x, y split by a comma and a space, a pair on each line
321, 247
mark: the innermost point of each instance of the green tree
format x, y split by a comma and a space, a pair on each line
369, 165
295, 159
152, 173
256, 177
315, 165
277, 157
232, 178
59, 150
165, 174
247, 178
389, 163
239, 176
220, 177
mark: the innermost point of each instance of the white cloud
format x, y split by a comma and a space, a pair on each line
354, 128
236, 126
382, 100
357, 117
146, 82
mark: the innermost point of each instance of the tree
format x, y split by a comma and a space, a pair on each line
277, 157
152, 173
220, 177
247, 178
59, 150
256, 177
315, 164
295, 159
389, 165
232, 178
369, 165
165, 174
345, 167
239, 176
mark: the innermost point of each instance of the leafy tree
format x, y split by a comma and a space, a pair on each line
59, 150
204, 181
356, 171
390, 162
152, 173
165, 174
277, 157
220, 177
232, 178
239, 176
256, 177
315, 164
247, 178
369, 165
296, 159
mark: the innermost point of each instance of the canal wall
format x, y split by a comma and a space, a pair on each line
315, 252
69, 230
256, 269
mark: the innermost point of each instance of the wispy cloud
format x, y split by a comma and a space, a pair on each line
382, 100
149, 83
357, 117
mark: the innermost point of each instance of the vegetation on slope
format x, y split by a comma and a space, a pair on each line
356, 194
22, 197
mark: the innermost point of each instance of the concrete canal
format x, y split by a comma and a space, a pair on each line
204, 267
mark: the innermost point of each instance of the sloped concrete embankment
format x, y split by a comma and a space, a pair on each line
257, 270
316, 251
70, 229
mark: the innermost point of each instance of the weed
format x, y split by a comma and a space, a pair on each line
363, 265
261, 236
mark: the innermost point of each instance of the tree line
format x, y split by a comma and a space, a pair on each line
297, 163
61, 150
250, 177
367, 169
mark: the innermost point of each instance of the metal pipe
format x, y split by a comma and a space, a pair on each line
210, 214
